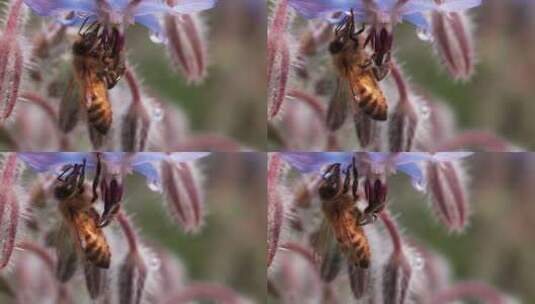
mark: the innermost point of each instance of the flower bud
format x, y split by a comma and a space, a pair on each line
11, 206
11, 58
453, 41
187, 45
183, 194
275, 214
396, 278
132, 276
448, 194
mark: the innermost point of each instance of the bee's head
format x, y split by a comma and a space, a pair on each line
64, 190
331, 183
336, 46
70, 182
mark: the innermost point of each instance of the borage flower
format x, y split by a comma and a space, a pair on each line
409, 163
437, 174
117, 12
167, 172
394, 264
381, 12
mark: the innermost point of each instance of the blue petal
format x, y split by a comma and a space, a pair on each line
411, 157
153, 24
187, 156
144, 157
415, 173
307, 162
418, 20
450, 156
320, 8
150, 172
193, 6
385, 5
52, 8
47, 161
417, 6
458, 5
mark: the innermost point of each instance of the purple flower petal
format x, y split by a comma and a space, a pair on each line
458, 5
153, 24
450, 156
313, 161
52, 8
418, 20
321, 8
46, 161
193, 6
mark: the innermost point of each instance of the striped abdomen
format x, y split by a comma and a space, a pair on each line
99, 112
351, 239
91, 239
369, 96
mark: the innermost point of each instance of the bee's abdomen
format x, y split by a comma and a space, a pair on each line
99, 115
360, 253
97, 251
372, 103
353, 241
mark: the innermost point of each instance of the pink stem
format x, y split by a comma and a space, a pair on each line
128, 231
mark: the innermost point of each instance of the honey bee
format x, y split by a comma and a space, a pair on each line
358, 77
98, 65
79, 215
338, 194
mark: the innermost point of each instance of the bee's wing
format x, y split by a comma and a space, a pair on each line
95, 278
66, 252
359, 279
337, 110
69, 107
327, 252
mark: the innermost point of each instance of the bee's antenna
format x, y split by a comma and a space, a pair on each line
66, 169
82, 26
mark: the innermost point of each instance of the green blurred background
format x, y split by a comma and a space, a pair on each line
232, 100
497, 247
501, 95
230, 248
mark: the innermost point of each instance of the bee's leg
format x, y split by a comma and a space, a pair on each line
366, 218
82, 26
66, 169
96, 180
347, 179
332, 170
355, 178
380, 72
370, 37
354, 36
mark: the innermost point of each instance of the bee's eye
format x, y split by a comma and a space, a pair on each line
336, 46
328, 190
64, 191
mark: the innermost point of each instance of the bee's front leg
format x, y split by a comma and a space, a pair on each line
381, 72
367, 218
